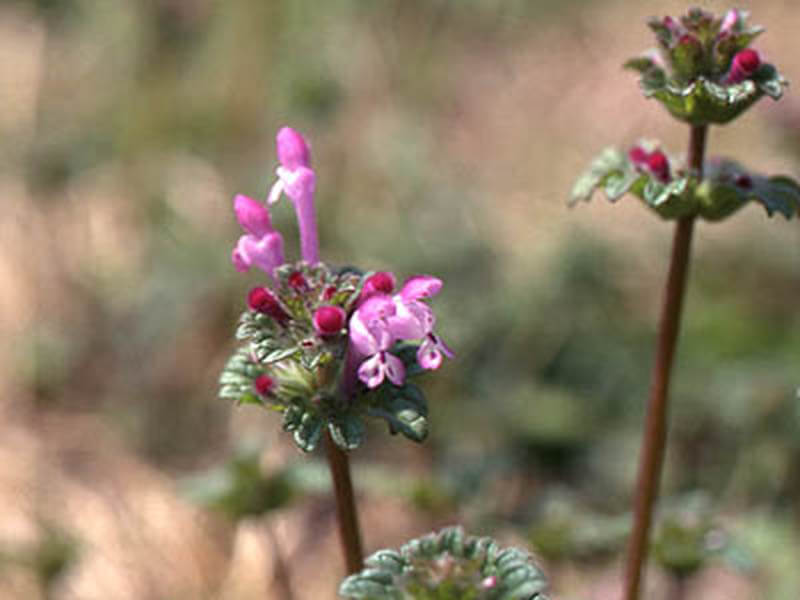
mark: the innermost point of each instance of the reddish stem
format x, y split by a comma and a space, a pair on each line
655, 429
346, 514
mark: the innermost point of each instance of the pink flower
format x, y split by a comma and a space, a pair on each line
371, 337
297, 180
261, 246
381, 320
744, 64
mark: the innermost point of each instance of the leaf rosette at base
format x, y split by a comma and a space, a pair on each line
674, 193
703, 71
294, 357
447, 565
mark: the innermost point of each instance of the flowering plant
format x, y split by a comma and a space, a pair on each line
704, 70
326, 346
448, 565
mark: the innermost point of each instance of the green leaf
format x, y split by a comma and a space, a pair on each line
347, 433
405, 409
778, 194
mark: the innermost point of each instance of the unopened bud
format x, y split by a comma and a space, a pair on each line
744, 64
264, 384
262, 300
329, 320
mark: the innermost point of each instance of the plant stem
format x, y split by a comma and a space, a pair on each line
655, 431
346, 513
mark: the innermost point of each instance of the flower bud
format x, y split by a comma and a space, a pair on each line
658, 164
297, 282
260, 299
744, 64
264, 384
329, 320
381, 282
293, 150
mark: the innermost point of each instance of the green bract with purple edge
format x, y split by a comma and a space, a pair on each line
703, 70
447, 565
665, 186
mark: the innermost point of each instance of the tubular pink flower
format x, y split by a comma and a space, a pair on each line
744, 64
293, 150
381, 320
297, 180
261, 246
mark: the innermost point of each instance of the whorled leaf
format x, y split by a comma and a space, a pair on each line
447, 565
702, 101
726, 188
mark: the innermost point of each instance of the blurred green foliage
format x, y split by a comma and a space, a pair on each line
176, 103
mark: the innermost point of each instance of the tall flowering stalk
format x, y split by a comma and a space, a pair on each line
703, 73
327, 346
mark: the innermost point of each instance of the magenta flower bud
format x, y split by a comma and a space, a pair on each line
329, 320
638, 156
381, 282
745, 63
658, 165
329, 292
656, 162
264, 384
293, 150
262, 300
489, 582
252, 216
297, 282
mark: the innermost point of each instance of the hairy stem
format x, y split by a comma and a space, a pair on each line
655, 429
346, 514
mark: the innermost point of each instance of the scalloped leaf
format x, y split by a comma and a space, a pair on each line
447, 565
347, 433
305, 426
777, 194
405, 410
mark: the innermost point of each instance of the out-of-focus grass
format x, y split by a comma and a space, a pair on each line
445, 135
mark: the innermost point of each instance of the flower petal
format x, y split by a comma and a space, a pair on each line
371, 371
252, 215
420, 286
394, 368
293, 150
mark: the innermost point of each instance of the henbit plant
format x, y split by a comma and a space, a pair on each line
703, 73
327, 346
447, 565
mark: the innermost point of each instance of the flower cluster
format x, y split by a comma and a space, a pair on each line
326, 346
703, 70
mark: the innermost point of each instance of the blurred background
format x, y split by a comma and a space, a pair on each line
446, 135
